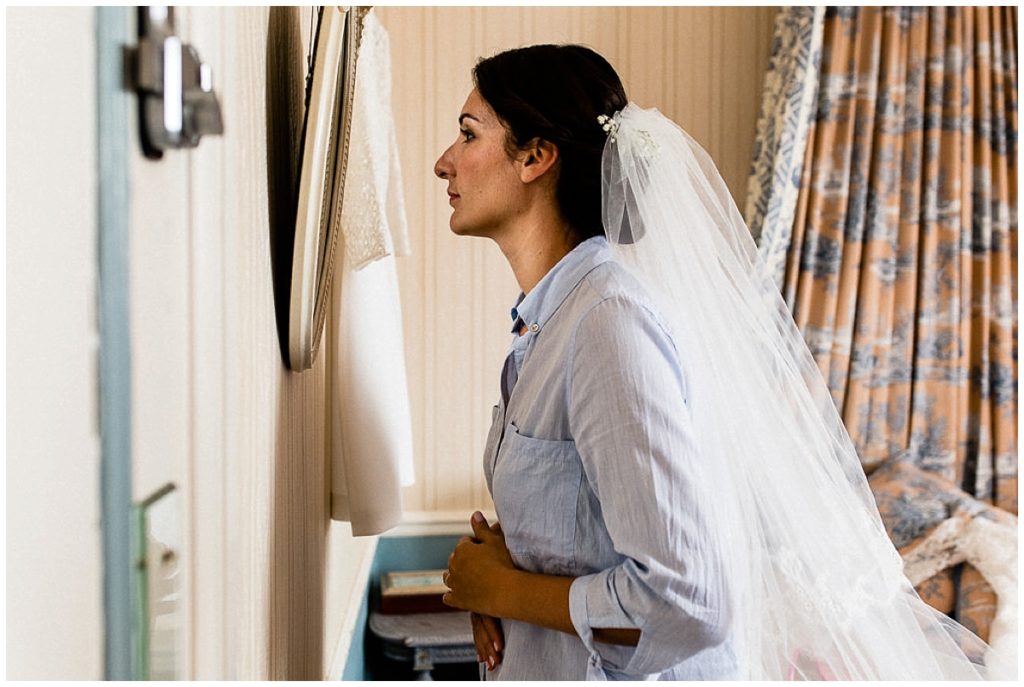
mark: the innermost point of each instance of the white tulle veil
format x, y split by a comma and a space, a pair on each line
817, 587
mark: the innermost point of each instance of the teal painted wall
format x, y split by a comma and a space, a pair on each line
393, 553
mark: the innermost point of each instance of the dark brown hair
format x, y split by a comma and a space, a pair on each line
555, 93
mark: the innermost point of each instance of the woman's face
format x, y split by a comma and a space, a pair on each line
483, 182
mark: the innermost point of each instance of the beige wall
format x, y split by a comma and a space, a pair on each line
273, 576
54, 551
701, 66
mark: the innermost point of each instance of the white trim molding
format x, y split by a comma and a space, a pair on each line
434, 523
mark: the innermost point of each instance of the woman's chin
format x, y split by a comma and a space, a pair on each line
460, 229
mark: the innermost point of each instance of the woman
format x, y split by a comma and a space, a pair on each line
582, 318
676, 494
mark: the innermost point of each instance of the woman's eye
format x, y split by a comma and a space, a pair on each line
468, 134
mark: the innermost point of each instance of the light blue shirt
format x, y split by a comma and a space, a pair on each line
588, 466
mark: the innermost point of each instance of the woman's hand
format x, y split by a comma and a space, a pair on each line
488, 638
477, 569
482, 579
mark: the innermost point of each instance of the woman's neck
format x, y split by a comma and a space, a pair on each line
534, 248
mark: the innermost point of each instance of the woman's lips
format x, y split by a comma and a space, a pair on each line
452, 197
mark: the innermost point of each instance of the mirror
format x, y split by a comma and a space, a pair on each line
322, 162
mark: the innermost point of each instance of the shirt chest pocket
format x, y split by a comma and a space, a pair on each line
536, 485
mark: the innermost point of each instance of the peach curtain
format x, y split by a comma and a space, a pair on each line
902, 264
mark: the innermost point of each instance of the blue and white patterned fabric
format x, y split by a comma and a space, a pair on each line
594, 476
787, 110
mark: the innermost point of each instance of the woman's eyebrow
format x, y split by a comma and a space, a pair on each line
464, 115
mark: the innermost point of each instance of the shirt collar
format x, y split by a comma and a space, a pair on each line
537, 307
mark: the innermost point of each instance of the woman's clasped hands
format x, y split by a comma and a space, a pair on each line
475, 578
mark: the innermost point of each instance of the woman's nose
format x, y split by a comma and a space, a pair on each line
442, 168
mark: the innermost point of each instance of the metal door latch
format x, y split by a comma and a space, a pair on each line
177, 105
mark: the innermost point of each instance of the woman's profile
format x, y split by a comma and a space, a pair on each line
676, 495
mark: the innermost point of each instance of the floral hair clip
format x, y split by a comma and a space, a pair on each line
609, 124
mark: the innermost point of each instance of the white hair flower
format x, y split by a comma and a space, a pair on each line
609, 124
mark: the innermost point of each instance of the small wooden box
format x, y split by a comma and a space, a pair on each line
417, 591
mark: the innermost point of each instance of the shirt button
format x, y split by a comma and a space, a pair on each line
534, 327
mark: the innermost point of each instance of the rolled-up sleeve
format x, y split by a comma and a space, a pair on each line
629, 419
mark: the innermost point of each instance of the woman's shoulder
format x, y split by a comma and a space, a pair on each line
618, 325
613, 303
619, 293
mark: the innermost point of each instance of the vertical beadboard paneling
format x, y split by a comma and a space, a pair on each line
548, 25
733, 98
282, 414
432, 273
410, 126
450, 471
702, 62
668, 76
285, 571
643, 83
250, 404
701, 66
473, 470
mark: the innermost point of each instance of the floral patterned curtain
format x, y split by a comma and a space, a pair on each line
901, 257
787, 111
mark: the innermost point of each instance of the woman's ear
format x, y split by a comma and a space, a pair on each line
536, 159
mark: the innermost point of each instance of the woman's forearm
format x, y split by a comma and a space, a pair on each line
536, 599
482, 578
544, 600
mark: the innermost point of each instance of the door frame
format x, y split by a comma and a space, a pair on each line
115, 383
